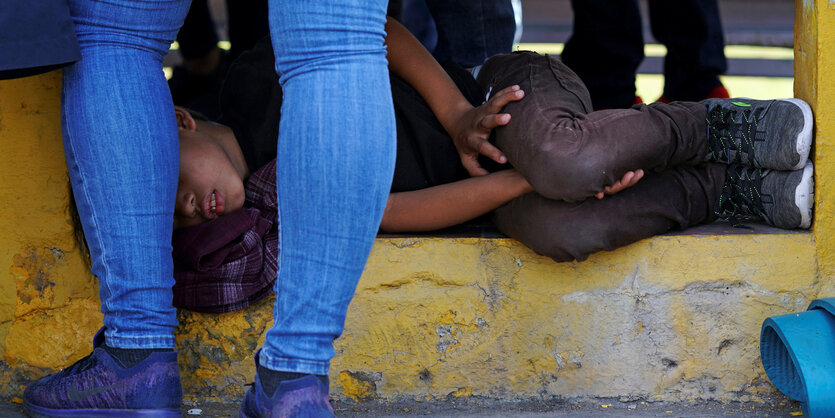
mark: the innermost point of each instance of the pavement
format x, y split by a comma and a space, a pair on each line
527, 409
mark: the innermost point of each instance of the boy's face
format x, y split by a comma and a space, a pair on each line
209, 184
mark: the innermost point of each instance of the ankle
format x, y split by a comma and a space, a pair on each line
271, 379
130, 357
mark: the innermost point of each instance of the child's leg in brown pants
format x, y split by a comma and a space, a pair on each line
566, 151
661, 201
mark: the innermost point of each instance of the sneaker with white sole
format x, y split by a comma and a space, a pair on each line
773, 134
779, 198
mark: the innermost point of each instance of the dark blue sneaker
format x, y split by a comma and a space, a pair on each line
306, 397
99, 385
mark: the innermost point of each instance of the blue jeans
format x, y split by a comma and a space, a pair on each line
335, 164
120, 141
336, 152
470, 31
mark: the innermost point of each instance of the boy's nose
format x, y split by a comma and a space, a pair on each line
186, 204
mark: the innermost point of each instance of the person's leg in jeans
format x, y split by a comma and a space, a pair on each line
566, 151
120, 140
605, 49
470, 31
661, 201
692, 32
336, 151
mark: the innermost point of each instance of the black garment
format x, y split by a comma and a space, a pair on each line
426, 155
248, 23
607, 46
250, 107
35, 36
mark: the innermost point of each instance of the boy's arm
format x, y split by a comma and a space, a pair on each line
452, 203
469, 127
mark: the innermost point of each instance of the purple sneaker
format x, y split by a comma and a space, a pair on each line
99, 385
306, 397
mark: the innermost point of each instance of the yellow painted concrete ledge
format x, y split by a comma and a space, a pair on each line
674, 317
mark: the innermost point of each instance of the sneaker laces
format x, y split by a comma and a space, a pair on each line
725, 134
79, 366
741, 198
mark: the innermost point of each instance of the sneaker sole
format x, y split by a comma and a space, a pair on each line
804, 196
40, 412
804, 138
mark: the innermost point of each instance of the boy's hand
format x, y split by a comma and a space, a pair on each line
628, 180
472, 130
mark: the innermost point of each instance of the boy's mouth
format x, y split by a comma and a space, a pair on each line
213, 205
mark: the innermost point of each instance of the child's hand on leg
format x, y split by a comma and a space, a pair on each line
628, 180
472, 130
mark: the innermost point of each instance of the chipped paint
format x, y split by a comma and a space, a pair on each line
359, 386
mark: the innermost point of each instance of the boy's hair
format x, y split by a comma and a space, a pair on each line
197, 115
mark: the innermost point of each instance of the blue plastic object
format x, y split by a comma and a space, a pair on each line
798, 354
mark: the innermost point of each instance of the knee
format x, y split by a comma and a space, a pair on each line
568, 177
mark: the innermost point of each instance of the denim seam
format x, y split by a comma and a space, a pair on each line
293, 365
93, 217
143, 342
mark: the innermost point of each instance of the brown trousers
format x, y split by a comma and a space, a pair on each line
568, 153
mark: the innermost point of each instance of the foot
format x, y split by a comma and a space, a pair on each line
305, 397
100, 385
773, 134
779, 198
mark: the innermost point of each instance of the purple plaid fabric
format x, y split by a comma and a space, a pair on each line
229, 263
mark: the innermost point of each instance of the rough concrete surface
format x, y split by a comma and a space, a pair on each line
529, 409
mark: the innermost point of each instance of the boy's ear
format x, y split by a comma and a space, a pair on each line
184, 119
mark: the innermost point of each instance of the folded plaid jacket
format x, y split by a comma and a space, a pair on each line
230, 262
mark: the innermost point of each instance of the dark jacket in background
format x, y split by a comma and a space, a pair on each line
36, 36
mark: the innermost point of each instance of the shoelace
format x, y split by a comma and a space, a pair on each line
741, 198
79, 366
726, 134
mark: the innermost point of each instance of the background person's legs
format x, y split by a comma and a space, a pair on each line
692, 32
605, 49
198, 36
248, 23
335, 162
470, 31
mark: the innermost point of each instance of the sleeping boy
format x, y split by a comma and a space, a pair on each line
736, 159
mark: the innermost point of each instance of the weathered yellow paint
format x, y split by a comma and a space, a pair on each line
357, 386
487, 317
651, 320
48, 300
670, 318
814, 66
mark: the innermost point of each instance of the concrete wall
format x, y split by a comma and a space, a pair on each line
672, 318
